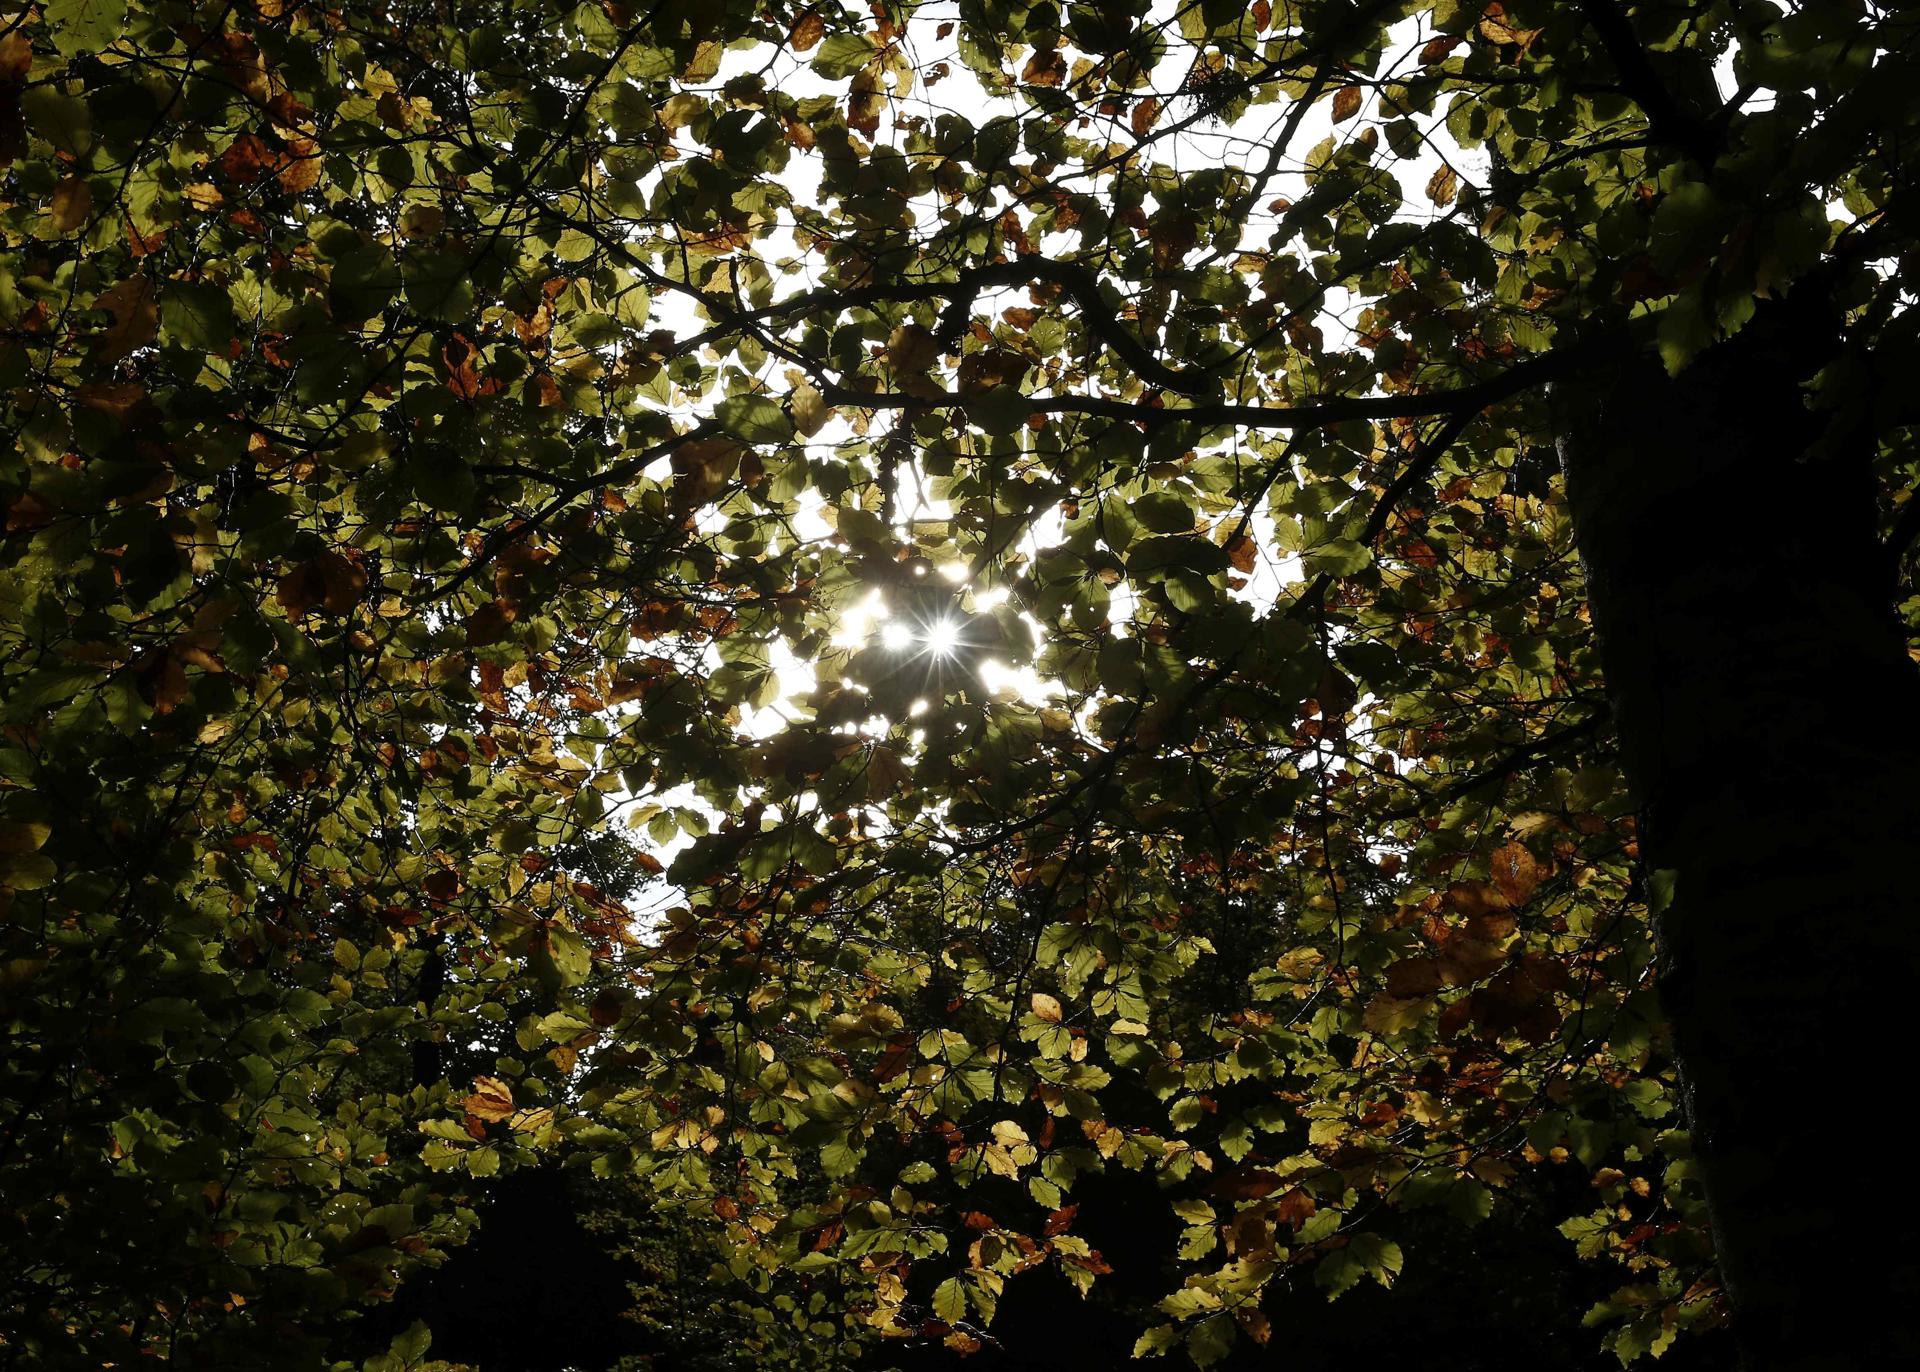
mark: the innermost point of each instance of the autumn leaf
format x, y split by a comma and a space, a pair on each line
1346, 103
1243, 553
71, 204
298, 168
458, 355
1515, 871
136, 318
330, 581
806, 31
248, 158
491, 1099
1044, 68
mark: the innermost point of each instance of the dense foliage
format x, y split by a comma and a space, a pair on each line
843, 619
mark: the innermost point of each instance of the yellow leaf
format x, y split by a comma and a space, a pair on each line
23, 837
492, 1099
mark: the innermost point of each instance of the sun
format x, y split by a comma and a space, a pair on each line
942, 638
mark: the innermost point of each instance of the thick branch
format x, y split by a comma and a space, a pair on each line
1670, 122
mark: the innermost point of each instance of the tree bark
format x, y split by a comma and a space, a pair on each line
1769, 717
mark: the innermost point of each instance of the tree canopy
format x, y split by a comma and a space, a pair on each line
841, 619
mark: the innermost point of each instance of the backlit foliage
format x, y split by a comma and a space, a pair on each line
459, 447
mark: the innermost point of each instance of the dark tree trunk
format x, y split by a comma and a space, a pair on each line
1770, 720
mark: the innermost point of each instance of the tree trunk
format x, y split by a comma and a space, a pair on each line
1769, 717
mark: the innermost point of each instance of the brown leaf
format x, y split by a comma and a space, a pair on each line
72, 203
1466, 960
492, 1099
1045, 69
1472, 898
1252, 1233
1413, 977
1442, 186
865, 101
1143, 116
1515, 872
169, 684
247, 158
1336, 691
1437, 49
1346, 103
489, 623
1242, 552
1496, 32
331, 581
289, 113
1295, 1208
117, 400
462, 379
140, 241
136, 319
806, 31
1492, 925
911, 348
1059, 1221
299, 167
701, 468
1245, 1183
1046, 1009
395, 111
16, 55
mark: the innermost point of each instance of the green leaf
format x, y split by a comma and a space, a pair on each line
85, 26
1337, 557
754, 419
59, 118
1163, 512
1000, 410
843, 54
839, 1158
1364, 1255
196, 315
950, 1300
1156, 1341
1211, 1339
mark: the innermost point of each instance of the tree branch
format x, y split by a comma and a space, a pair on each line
1406, 405
1670, 122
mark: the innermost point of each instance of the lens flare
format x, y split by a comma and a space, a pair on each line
942, 638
